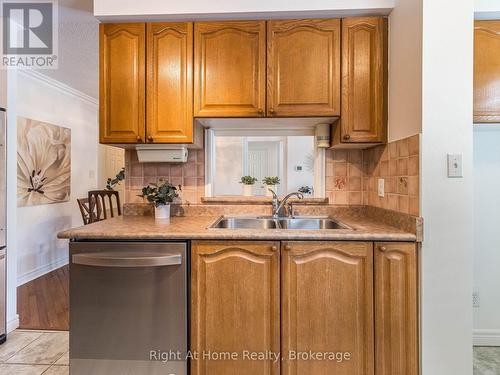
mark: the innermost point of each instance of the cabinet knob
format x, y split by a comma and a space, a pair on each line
383, 248
271, 111
260, 111
139, 139
150, 138
274, 248
288, 248
347, 137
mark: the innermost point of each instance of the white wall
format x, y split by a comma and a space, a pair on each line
150, 9
298, 149
486, 233
405, 69
38, 249
487, 9
447, 205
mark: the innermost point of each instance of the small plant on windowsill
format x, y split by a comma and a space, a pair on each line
248, 182
270, 183
161, 195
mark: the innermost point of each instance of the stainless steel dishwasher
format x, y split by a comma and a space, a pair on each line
128, 308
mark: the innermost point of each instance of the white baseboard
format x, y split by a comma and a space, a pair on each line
40, 271
486, 337
12, 323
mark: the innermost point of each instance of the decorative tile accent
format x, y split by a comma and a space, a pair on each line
344, 177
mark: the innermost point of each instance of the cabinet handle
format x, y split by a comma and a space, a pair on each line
260, 111
347, 137
274, 248
139, 139
288, 248
150, 138
271, 111
382, 248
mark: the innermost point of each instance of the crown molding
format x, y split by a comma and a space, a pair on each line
59, 86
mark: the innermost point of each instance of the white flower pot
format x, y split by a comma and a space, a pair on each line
247, 190
268, 193
162, 211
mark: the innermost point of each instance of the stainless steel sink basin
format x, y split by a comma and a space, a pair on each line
311, 223
307, 223
244, 223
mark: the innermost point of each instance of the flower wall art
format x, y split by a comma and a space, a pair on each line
43, 163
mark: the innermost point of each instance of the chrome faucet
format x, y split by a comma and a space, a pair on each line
278, 205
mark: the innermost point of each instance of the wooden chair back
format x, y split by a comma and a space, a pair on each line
83, 204
101, 203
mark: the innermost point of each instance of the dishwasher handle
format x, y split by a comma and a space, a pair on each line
126, 259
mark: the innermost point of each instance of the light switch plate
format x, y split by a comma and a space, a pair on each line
381, 187
455, 165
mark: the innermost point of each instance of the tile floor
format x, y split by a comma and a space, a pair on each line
486, 360
35, 353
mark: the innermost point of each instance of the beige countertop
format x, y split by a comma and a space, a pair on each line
196, 227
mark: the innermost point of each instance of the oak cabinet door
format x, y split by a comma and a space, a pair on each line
487, 71
230, 69
169, 82
364, 80
122, 82
303, 67
396, 327
235, 305
327, 306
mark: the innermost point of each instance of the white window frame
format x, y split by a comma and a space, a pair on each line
211, 133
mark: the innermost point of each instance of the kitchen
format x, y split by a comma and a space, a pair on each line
337, 105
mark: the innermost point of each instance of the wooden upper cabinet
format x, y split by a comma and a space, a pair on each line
487, 71
235, 305
122, 82
364, 80
169, 82
396, 311
230, 69
327, 305
303, 67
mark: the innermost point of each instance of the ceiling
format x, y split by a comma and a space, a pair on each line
78, 65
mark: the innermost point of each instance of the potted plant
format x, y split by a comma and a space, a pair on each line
248, 182
161, 195
270, 183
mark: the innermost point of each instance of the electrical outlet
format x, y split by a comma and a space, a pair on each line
455, 165
475, 299
381, 187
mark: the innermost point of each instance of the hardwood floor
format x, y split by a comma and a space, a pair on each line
43, 303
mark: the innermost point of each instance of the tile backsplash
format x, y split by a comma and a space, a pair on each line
351, 176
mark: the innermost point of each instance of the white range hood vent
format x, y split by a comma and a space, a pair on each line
162, 153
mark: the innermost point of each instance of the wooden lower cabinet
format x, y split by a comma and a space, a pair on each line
327, 306
396, 325
235, 305
354, 302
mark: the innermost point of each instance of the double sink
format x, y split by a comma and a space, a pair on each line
268, 222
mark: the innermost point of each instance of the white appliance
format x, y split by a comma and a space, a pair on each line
161, 153
3, 193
